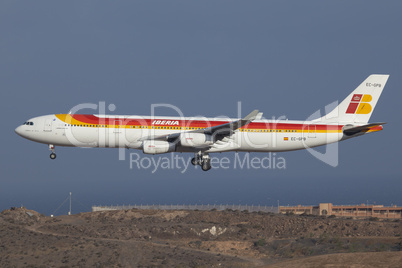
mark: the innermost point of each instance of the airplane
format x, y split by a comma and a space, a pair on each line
202, 136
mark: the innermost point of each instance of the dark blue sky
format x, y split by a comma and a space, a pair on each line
282, 57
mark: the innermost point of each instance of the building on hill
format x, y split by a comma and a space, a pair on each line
328, 209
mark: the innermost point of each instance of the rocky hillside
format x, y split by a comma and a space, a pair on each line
144, 238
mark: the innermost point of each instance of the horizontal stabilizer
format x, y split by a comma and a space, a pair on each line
350, 130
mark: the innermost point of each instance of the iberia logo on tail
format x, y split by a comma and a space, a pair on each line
359, 104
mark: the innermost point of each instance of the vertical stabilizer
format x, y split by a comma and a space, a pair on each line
359, 105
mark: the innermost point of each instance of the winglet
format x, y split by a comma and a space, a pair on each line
251, 116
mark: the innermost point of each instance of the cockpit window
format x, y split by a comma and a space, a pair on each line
31, 123
28, 123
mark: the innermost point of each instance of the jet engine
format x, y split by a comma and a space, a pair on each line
195, 140
158, 147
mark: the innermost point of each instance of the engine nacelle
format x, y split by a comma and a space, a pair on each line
158, 147
195, 140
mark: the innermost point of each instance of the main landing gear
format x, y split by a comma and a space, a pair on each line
51, 148
203, 160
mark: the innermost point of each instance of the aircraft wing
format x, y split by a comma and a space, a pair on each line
350, 130
221, 130
227, 129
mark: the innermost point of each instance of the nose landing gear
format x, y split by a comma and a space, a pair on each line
203, 160
51, 148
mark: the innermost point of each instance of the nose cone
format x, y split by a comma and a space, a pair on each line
18, 130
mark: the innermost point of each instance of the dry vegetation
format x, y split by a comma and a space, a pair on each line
151, 238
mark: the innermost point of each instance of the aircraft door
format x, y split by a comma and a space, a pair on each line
116, 132
312, 131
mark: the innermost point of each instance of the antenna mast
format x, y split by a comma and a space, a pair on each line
69, 213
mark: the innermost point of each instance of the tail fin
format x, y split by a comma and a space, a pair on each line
360, 104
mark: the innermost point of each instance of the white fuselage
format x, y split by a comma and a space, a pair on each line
158, 135
129, 131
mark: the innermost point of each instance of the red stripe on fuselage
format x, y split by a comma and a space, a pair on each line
92, 119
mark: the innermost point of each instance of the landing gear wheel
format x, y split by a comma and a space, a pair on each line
51, 148
206, 165
194, 161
